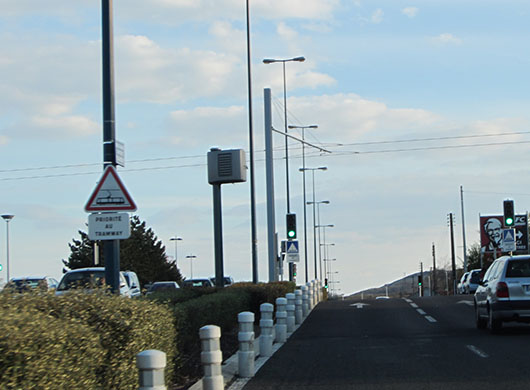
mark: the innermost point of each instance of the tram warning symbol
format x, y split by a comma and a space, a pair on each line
110, 194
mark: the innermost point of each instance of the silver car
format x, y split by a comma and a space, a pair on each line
503, 294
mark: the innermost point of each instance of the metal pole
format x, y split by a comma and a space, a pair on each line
315, 228
7, 249
286, 138
218, 235
433, 269
463, 228
251, 148
111, 248
319, 249
269, 170
453, 261
305, 206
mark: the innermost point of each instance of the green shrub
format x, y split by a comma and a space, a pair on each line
124, 327
41, 352
264, 293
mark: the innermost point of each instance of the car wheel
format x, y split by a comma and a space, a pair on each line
494, 325
480, 322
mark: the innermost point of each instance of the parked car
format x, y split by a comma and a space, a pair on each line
228, 280
88, 279
460, 287
133, 283
503, 294
205, 282
162, 286
471, 284
27, 283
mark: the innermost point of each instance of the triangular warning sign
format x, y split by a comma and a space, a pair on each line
110, 194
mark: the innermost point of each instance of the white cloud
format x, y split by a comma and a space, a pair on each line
229, 38
64, 126
4, 140
447, 38
411, 12
377, 16
286, 32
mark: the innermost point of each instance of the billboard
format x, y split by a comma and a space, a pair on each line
491, 234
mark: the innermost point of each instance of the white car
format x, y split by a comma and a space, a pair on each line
88, 279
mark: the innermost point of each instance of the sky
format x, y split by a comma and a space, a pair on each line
412, 98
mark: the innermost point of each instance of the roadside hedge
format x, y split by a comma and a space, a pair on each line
90, 341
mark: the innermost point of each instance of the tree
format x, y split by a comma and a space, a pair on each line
142, 253
473, 256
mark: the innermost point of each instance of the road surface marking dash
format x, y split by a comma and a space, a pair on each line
430, 319
407, 300
414, 305
421, 312
477, 351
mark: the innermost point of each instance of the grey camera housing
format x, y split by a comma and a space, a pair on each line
226, 166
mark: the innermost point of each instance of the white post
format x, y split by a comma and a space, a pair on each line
298, 311
290, 312
281, 320
315, 292
305, 302
266, 324
310, 295
211, 358
245, 355
151, 364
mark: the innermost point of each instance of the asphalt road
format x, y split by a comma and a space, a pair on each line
422, 343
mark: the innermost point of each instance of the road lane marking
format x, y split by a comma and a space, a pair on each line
407, 300
469, 303
477, 351
414, 305
421, 312
430, 319
360, 305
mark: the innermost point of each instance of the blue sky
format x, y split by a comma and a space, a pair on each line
375, 71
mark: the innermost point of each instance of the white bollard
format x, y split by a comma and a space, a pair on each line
290, 308
305, 301
151, 364
266, 324
211, 358
310, 295
245, 355
315, 292
298, 312
281, 320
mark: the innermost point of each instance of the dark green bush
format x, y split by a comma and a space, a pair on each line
124, 327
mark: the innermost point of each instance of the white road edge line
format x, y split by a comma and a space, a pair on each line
430, 319
477, 351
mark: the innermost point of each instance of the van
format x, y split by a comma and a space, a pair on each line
88, 279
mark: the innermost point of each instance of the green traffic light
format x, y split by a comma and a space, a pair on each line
291, 233
509, 221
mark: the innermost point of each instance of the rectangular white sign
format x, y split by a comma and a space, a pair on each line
109, 226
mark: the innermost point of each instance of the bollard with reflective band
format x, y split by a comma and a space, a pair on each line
151, 364
266, 324
298, 312
290, 308
211, 357
281, 320
245, 355
305, 301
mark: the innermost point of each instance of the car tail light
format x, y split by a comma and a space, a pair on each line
502, 290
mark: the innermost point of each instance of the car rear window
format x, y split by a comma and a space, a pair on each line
475, 277
518, 269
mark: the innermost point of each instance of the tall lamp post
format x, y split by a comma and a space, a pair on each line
191, 257
319, 244
7, 218
314, 214
175, 239
283, 61
303, 176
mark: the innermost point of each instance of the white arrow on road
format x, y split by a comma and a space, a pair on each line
360, 305
469, 303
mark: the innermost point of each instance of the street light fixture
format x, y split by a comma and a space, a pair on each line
314, 215
175, 239
7, 218
283, 61
303, 176
191, 257
324, 239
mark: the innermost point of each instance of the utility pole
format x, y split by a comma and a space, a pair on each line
421, 278
111, 248
463, 228
433, 270
453, 260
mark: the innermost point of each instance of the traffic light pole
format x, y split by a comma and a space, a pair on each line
218, 235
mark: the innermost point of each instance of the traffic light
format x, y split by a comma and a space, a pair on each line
326, 283
291, 226
1, 267
420, 280
509, 217
294, 270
